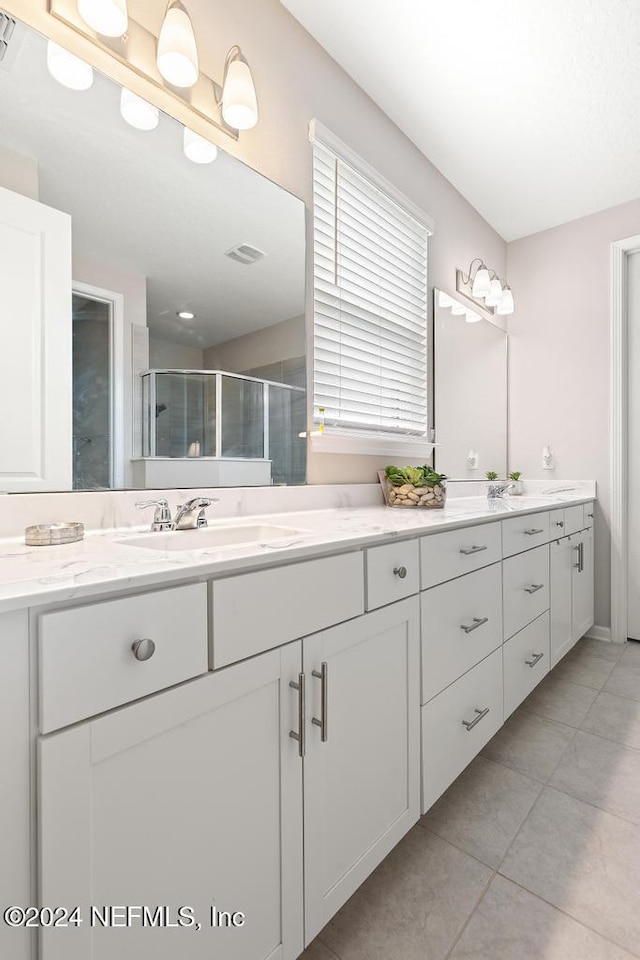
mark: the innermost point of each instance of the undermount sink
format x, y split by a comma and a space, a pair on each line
209, 538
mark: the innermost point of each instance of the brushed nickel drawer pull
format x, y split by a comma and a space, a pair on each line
323, 676
535, 658
300, 735
534, 588
480, 714
467, 551
534, 531
475, 623
143, 649
400, 572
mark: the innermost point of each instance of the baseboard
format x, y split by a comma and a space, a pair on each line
599, 633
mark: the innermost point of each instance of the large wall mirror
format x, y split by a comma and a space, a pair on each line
152, 296
470, 390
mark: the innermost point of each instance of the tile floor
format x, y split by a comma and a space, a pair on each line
534, 852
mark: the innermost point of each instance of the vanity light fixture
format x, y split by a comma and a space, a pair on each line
107, 17
177, 56
197, 149
457, 309
185, 315
484, 284
137, 112
239, 101
67, 69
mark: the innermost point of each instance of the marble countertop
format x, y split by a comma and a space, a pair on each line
102, 563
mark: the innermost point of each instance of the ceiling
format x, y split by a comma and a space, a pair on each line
531, 108
137, 203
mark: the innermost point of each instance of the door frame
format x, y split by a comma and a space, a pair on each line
619, 416
117, 368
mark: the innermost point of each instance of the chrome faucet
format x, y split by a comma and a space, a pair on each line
162, 517
496, 491
191, 515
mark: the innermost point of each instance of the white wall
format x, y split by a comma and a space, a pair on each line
19, 173
559, 361
282, 341
163, 354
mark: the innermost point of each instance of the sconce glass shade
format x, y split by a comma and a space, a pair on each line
177, 57
481, 283
107, 17
457, 309
67, 69
197, 149
494, 297
239, 102
507, 305
137, 112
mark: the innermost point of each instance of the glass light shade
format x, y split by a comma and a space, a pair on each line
494, 297
239, 102
457, 309
197, 149
137, 112
472, 317
177, 57
507, 305
67, 69
481, 283
107, 17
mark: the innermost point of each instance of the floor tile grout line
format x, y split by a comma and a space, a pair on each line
466, 923
561, 910
327, 948
600, 736
457, 846
594, 806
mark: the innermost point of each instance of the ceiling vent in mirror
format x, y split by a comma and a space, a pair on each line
245, 253
8, 47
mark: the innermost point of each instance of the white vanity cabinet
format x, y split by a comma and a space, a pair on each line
362, 763
582, 587
192, 797
572, 586
15, 815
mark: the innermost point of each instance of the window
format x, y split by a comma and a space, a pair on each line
370, 304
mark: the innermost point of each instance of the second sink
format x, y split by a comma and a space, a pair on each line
208, 538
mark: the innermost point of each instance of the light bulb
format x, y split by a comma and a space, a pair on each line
177, 57
137, 112
239, 103
197, 149
186, 315
457, 309
472, 317
481, 283
507, 305
494, 297
67, 69
107, 17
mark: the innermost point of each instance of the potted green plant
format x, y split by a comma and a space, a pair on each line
516, 478
413, 487
491, 475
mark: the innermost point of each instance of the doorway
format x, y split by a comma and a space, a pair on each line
97, 388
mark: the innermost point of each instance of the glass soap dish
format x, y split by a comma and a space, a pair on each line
52, 534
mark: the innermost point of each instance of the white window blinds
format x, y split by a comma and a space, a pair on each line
370, 296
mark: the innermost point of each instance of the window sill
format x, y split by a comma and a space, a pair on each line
359, 444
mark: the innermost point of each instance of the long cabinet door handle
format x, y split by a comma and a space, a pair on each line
323, 676
534, 531
466, 551
581, 556
579, 562
535, 658
475, 623
534, 587
299, 735
480, 715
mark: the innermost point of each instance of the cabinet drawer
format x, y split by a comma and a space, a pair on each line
461, 625
574, 519
457, 724
254, 612
87, 661
526, 588
523, 533
526, 662
392, 573
589, 514
444, 556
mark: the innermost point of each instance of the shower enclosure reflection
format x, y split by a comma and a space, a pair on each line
223, 420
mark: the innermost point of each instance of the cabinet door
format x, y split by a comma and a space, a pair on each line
583, 585
562, 559
361, 784
35, 361
189, 798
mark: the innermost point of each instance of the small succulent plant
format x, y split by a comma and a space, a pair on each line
515, 475
491, 475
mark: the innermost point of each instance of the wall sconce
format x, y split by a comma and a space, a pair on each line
457, 309
485, 284
169, 61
